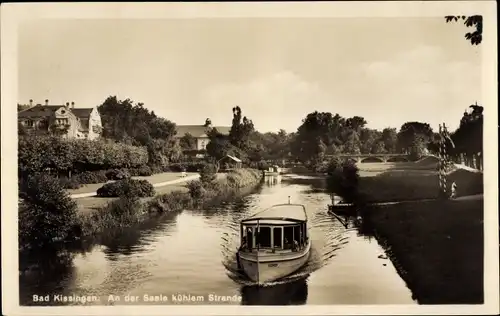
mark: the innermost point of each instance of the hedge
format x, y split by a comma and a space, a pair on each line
36, 154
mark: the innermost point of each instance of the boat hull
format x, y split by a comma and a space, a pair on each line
273, 267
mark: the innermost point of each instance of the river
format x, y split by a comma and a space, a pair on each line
193, 254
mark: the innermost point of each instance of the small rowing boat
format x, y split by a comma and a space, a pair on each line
274, 242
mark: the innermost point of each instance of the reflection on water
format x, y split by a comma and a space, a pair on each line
194, 253
287, 293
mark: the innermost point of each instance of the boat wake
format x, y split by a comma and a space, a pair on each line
327, 234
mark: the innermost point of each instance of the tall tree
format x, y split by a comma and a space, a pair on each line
241, 129
408, 133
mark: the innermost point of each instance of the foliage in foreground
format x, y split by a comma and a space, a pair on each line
46, 212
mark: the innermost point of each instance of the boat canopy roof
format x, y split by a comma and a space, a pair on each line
279, 214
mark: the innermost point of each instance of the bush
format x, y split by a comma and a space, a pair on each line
127, 187
196, 190
240, 178
88, 177
172, 202
46, 212
118, 174
122, 212
208, 174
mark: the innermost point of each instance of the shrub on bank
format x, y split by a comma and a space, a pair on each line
208, 174
172, 202
196, 190
46, 212
343, 179
122, 212
127, 187
239, 178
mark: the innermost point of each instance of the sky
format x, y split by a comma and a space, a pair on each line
387, 70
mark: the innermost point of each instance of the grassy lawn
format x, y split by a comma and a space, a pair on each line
88, 204
437, 246
388, 183
156, 178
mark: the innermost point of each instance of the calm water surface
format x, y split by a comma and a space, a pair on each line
193, 253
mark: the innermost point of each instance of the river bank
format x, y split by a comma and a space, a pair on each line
126, 211
436, 245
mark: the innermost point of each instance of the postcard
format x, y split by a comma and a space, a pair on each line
249, 158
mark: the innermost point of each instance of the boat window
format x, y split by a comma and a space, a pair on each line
265, 237
277, 237
287, 237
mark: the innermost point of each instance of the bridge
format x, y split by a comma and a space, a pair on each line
360, 158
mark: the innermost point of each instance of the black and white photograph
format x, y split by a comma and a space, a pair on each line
202, 158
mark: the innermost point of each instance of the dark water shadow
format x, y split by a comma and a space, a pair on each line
130, 240
293, 292
46, 272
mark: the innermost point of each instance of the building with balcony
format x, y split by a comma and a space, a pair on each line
63, 120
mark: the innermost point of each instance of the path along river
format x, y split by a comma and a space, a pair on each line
193, 254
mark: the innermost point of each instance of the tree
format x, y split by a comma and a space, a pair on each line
352, 144
468, 137
476, 21
390, 138
47, 214
378, 147
368, 138
219, 146
418, 147
356, 123
342, 179
241, 130
124, 121
187, 142
408, 133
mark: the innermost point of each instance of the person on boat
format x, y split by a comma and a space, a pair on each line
295, 245
453, 190
244, 244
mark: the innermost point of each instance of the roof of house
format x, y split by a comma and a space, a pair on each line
39, 110
47, 110
199, 130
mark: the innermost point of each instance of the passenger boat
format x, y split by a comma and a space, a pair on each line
274, 243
